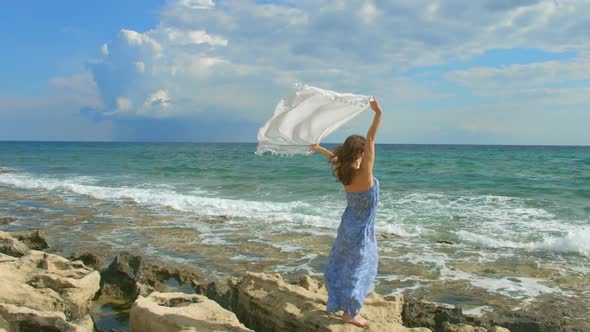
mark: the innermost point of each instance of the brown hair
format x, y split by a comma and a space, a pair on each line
347, 154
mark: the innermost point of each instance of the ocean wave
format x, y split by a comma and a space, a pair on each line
7, 170
479, 219
198, 204
472, 219
499, 209
576, 241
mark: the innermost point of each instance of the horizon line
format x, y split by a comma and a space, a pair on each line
216, 142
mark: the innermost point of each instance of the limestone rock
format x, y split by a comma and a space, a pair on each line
499, 329
18, 245
448, 327
48, 283
15, 319
168, 312
89, 259
11, 246
36, 240
312, 285
128, 276
268, 303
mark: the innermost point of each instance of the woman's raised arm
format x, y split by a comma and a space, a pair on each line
369, 157
318, 148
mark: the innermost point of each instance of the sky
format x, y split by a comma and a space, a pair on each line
444, 72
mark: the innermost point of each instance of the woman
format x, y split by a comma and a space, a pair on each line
352, 265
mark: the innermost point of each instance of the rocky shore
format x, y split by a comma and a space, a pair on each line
40, 291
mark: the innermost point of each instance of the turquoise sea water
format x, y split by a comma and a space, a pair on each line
518, 217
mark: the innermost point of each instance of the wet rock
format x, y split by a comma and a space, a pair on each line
519, 321
417, 313
499, 329
445, 242
121, 278
268, 303
448, 327
384, 236
551, 312
128, 276
7, 220
215, 292
168, 312
45, 292
89, 259
36, 240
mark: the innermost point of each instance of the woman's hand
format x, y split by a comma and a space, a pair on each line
375, 105
314, 147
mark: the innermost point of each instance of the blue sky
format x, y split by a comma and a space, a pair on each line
448, 72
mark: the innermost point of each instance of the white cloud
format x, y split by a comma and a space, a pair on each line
80, 88
368, 12
197, 4
104, 49
554, 98
158, 103
185, 37
140, 66
523, 74
239, 56
123, 104
135, 38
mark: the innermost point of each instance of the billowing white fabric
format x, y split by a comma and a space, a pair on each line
307, 117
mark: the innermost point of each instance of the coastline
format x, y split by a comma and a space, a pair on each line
262, 302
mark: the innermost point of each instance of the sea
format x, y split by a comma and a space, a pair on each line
478, 226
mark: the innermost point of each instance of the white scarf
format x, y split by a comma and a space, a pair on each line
307, 117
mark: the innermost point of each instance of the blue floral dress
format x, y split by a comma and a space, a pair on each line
352, 265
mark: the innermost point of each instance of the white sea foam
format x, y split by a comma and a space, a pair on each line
212, 239
487, 241
400, 290
433, 260
575, 241
204, 206
399, 230
522, 288
306, 259
485, 210
245, 258
478, 311
283, 247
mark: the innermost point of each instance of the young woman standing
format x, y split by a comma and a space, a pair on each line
352, 264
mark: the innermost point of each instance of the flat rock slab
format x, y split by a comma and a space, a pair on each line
168, 312
267, 303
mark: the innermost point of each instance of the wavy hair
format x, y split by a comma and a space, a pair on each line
348, 154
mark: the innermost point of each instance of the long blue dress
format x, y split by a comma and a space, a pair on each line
352, 265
